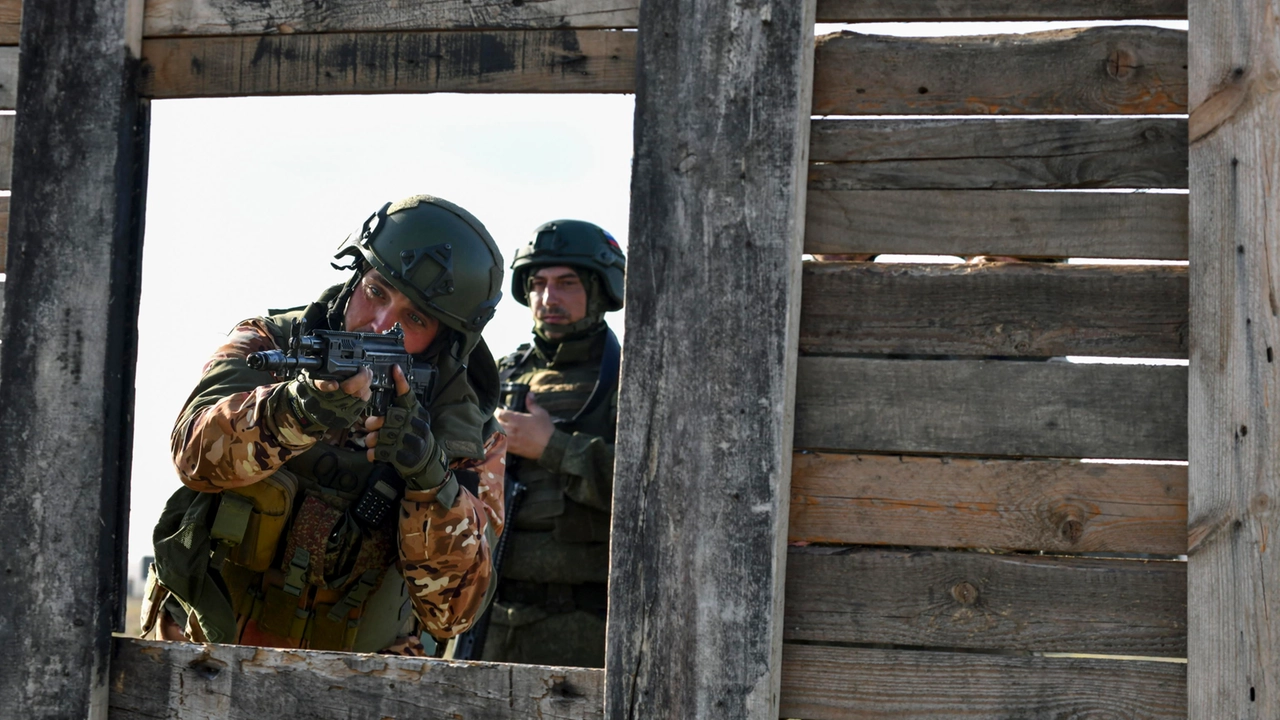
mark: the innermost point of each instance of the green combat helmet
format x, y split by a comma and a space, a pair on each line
439, 256
577, 244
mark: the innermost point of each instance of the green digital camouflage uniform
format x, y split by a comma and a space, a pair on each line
550, 608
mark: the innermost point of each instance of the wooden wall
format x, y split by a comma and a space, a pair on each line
950, 553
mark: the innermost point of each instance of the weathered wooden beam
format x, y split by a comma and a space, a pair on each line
4, 231
8, 78
1130, 70
1234, 578
981, 601
157, 679
67, 358
10, 21
832, 683
718, 186
998, 222
1004, 309
6, 162
992, 408
970, 10
564, 61
998, 154
1050, 505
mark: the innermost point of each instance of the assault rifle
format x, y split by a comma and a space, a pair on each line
337, 355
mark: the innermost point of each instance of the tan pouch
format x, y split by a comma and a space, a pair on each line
153, 597
272, 501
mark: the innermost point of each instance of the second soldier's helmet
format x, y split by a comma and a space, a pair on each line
439, 255
577, 244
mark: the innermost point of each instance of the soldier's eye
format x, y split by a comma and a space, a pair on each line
413, 318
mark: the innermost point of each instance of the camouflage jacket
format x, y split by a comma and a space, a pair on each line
561, 531
237, 429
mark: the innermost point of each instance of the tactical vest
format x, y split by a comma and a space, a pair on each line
281, 561
555, 539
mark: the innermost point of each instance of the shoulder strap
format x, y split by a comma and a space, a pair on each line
607, 382
511, 364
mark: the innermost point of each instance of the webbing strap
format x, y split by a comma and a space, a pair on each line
356, 596
295, 575
607, 381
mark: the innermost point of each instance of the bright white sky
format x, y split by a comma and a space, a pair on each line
249, 197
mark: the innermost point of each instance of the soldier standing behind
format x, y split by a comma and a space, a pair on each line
561, 393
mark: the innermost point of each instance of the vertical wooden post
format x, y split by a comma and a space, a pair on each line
1234, 394
69, 345
705, 421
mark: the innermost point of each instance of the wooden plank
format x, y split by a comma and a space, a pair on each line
980, 601
1050, 505
168, 18
562, 61
998, 154
68, 346
10, 21
992, 408
998, 222
1002, 309
156, 679
8, 78
6, 162
718, 186
829, 683
970, 10
1130, 70
1234, 614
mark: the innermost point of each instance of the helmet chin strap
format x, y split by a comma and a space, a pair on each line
588, 324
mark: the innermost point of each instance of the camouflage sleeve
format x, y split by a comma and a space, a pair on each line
586, 463
237, 427
446, 535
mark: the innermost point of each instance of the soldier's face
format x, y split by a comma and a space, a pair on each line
375, 306
557, 296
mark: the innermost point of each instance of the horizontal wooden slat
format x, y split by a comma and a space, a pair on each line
968, 10
156, 679
563, 61
998, 222
166, 18
981, 601
1128, 70
828, 683
1051, 505
1002, 309
991, 408
10, 21
998, 154
8, 77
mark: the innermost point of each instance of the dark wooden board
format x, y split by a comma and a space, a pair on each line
1050, 505
10, 21
992, 408
1233, 574
1003, 309
829, 683
68, 344
1128, 70
533, 61
998, 154
226, 682
981, 601
166, 18
998, 222
969, 10
708, 378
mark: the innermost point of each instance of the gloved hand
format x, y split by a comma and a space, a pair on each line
325, 405
404, 440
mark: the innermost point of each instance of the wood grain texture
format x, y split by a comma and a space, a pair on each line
998, 222
6, 162
562, 61
1233, 573
998, 154
166, 18
1131, 70
708, 378
969, 10
8, 77
1050, 505
992, 408
1003, 309
828, 683
10, 21
152, 679
68, 345
980, 601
